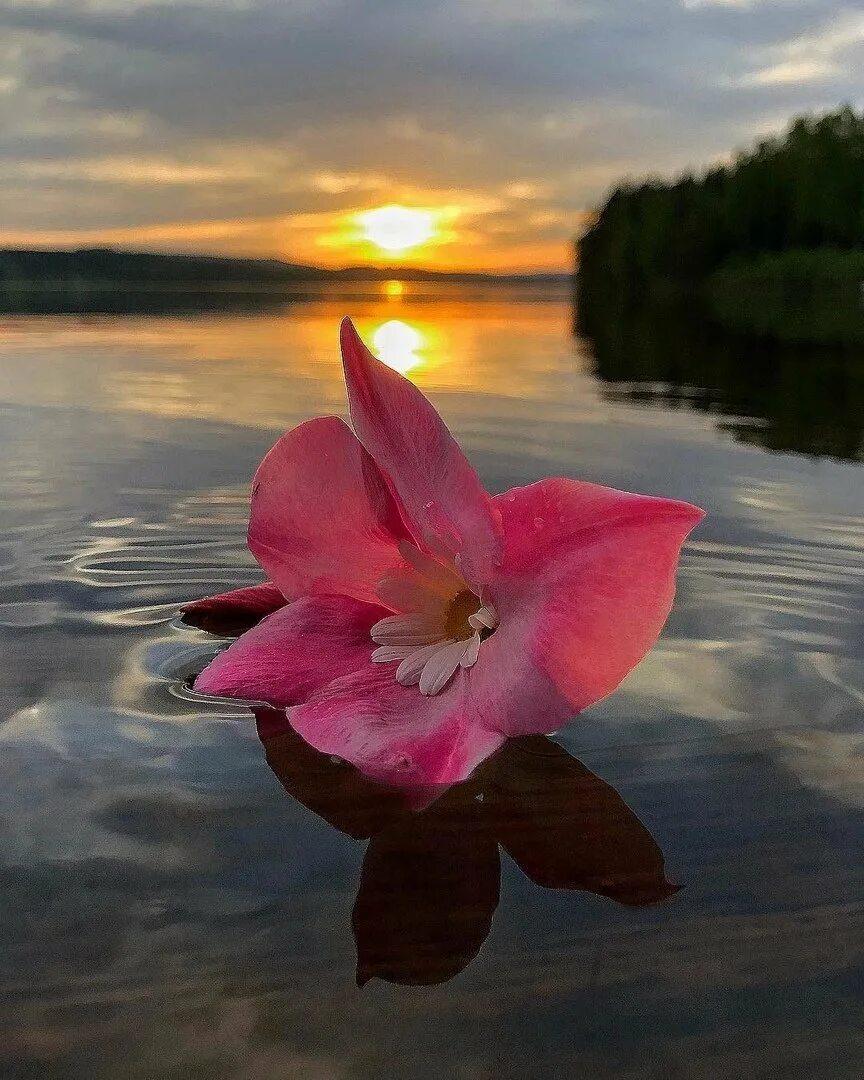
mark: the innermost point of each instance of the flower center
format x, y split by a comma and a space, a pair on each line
461, 607
439, 626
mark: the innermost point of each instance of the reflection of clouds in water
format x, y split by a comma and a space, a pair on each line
765, 637
171, 884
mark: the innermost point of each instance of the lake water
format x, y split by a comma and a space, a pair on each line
175, 906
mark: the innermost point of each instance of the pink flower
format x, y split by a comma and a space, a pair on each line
431, 621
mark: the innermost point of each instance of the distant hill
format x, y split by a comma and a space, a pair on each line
83, 269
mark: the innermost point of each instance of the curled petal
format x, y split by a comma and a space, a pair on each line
439, 492
294, 652
322, 518
230, 614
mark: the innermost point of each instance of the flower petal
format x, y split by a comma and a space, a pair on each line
322, 519
394, 734
439, 491
386, 654
472, 652
586, 586
232, 613
294, 652
485, 617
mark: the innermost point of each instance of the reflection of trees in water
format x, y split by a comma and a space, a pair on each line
131, 301
803, 397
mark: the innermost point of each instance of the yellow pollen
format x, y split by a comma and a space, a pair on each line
456, 623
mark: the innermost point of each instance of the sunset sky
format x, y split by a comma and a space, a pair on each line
274, 127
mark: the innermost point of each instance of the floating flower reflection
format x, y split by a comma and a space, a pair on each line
430, 882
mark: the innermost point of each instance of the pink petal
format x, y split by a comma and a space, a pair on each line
230, 614
294, 652
330, 788
440, 493
586, 586
509, 690
394, 734
322, 519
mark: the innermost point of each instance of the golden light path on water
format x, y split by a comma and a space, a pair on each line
399, 345
286, 364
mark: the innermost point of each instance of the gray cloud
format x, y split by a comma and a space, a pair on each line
225, 109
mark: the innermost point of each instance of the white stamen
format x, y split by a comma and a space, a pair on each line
407, 630
440, 667
409, 671
484, 618
472, 651
385, 653
425, 592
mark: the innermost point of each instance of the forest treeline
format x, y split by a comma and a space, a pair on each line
787, 215
104, 268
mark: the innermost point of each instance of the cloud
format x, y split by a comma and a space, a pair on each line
147, 115
739, 5
812, 56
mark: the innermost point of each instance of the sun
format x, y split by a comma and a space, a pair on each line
397, 228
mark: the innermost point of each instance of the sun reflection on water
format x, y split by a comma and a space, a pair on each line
394, 289
399, 345
286, 361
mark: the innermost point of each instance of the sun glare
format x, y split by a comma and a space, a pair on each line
397, 344
393, 290
397, 228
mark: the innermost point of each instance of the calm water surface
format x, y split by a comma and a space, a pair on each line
673, 888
